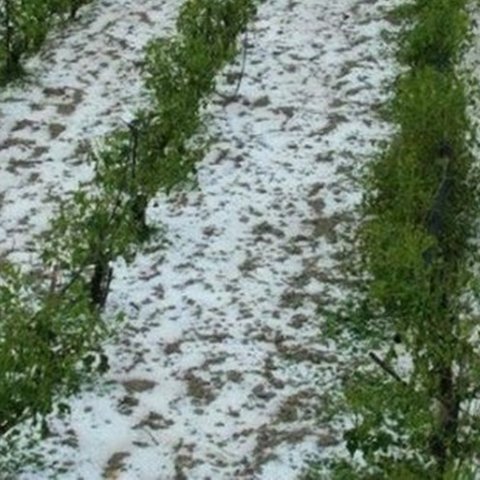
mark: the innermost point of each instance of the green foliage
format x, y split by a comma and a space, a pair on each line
88, 228
43, 337
429, 107
440, 33
24, 25
127, 174
180, 73
417, 288
50, 332
181, 70
396, 470
210, 29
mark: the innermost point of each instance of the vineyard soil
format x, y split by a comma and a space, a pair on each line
219, 369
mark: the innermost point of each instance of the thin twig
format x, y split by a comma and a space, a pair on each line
233, 97
387, 368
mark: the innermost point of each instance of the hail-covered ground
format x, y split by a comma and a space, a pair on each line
220, 369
